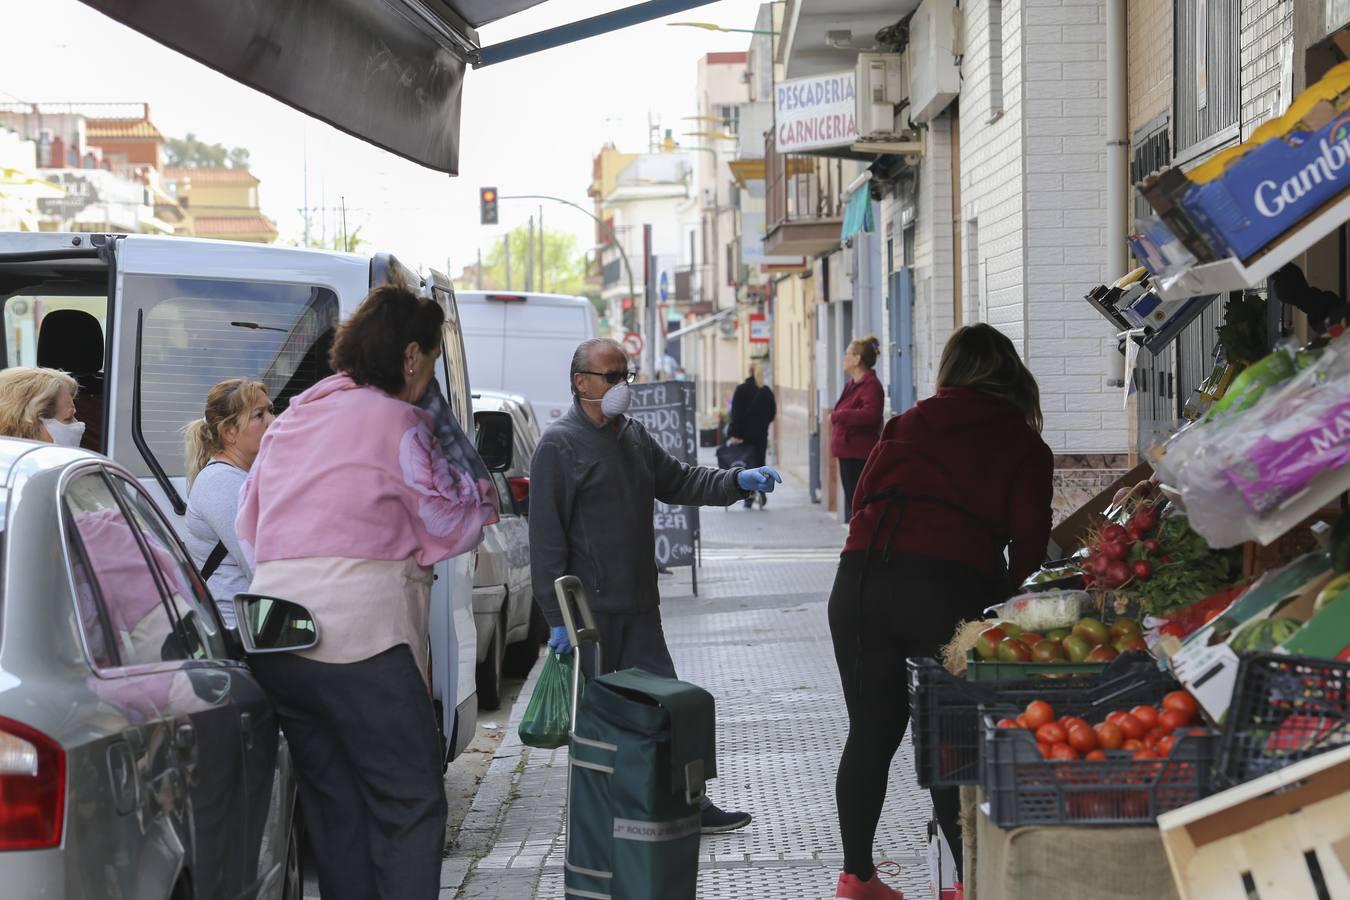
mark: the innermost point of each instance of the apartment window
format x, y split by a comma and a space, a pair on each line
995, 59
730, 116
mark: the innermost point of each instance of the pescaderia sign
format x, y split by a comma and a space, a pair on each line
816, 112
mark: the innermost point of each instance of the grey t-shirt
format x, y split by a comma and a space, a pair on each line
212, 506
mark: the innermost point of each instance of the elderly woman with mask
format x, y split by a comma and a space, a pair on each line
39, 404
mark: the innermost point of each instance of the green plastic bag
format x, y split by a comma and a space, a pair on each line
548, 717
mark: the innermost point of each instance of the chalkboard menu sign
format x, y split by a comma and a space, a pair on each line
666, 409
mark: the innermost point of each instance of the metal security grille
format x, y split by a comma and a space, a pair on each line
1208, 71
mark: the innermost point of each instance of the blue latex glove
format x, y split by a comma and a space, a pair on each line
558, 642
760, 480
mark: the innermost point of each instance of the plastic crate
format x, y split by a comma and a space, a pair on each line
945, 709
1024, 788
996, 670
1284, 709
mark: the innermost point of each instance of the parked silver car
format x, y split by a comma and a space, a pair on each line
510, 627
138, 757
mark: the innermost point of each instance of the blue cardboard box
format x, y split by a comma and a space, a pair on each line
1272, 188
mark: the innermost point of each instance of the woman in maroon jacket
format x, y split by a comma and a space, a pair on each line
856, 420
954, 481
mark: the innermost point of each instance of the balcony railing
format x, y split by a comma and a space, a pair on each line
803, 205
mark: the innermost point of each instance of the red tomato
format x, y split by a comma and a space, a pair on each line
1132, 745
1008, 723
1063, 752
1115, 717
1052, 733
1096, 755
1022, 722
1172, 719
1183, 703
1044, 748
1039, 713
1109, 736
1082, 738
1164, 746
1072, 722
1155, 735
1146, 714
1144, 753
1131, 727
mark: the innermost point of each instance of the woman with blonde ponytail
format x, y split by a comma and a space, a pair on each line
221, 448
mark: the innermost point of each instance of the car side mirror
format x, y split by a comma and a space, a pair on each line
496, 438
272, 625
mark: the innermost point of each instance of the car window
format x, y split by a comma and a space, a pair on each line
130, 596
457, 383
188, 599
98, 633
506, 501
197, 332
25, 312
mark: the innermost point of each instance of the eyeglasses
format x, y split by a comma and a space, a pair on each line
612, 377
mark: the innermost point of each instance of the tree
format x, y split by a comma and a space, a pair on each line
563, 269
192, 153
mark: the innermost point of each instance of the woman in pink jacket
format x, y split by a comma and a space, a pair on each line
357, 489
855, 424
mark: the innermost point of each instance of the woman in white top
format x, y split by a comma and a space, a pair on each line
221, 447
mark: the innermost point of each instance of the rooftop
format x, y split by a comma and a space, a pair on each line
212, 176
105, 129
226, 225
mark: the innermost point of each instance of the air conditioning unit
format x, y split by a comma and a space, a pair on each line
880, 86
934, 67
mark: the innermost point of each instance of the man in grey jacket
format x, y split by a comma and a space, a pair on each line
593, 479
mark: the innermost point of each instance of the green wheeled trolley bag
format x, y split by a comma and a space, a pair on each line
641, 752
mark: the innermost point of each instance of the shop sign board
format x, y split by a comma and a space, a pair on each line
815, 112
760, 329
666, 410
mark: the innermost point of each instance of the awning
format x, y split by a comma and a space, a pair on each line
700, 324
390, 72
857, 214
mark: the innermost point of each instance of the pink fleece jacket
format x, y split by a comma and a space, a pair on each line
350, 471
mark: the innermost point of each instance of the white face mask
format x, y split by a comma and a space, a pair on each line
616, 400
66, 434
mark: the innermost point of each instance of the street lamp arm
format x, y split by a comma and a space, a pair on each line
623, 254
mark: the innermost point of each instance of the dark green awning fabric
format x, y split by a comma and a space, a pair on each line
858, 214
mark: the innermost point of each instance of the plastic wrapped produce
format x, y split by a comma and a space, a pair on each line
1042, 611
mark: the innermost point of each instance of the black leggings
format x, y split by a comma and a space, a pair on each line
850, 470
904, 606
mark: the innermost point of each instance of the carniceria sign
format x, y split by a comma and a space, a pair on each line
811, 113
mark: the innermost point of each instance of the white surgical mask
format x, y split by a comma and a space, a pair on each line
66, 434
616, 400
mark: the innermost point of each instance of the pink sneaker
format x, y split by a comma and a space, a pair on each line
851, 887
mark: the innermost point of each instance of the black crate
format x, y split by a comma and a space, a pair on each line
1284, 709
945, 709
1023, 788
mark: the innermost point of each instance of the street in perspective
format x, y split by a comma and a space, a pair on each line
559, 450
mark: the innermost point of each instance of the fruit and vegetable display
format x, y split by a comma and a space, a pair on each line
1087, 640
1142, 732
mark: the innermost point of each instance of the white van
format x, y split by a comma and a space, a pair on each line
523, 344
149, 324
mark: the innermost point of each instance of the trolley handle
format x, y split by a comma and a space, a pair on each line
570, 590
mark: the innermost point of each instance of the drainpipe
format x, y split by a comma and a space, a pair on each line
1117, 142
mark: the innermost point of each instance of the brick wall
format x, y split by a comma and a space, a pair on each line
1149, 62
1267, 37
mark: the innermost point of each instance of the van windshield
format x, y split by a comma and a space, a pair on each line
198, 332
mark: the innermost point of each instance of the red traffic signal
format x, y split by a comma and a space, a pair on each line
487, 205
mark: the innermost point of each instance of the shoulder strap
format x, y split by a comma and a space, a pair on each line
218, 554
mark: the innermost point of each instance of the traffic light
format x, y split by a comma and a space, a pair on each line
487, 205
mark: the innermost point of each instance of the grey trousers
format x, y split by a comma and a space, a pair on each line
631, 641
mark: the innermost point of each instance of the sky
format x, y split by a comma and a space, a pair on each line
528, 126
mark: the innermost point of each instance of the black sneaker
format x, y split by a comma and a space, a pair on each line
719, 821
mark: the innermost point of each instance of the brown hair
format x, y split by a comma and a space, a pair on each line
28, 394
227, 404
867, 349
369, 345
981, 357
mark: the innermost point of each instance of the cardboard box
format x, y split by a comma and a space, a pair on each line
1207, 665
1272, 188
1280, 833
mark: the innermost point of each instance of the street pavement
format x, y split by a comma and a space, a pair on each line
756, 636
